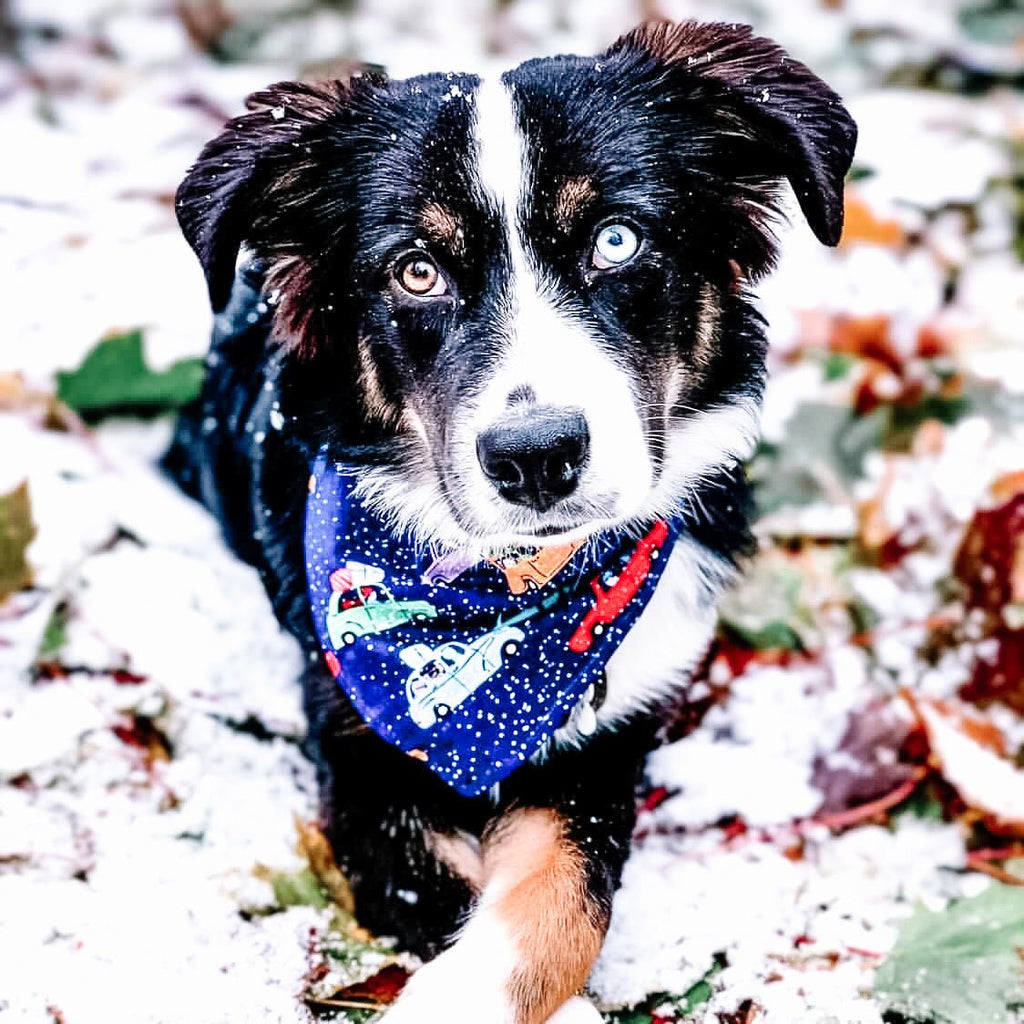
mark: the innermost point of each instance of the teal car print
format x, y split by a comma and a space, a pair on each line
444, 677
370, 609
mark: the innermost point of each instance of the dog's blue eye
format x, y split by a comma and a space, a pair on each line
615, 244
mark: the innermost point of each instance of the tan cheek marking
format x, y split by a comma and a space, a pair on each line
538, 882
573, 198
374, 402
706, 333
440, 223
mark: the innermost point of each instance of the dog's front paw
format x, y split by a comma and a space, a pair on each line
467, 984
577, 1011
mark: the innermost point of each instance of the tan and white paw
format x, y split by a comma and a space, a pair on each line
577, 1011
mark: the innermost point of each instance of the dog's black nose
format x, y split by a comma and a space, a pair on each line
535, 456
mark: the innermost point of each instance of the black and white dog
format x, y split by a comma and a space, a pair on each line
517, 312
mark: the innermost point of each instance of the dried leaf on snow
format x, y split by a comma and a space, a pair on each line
16, 533
969, 752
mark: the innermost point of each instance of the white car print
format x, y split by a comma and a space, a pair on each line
444, 677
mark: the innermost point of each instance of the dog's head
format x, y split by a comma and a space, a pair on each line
528, 293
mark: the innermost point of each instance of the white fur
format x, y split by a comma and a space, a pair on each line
576, 1011
549, 351
466, 984
671, 634
668, 639
703, 444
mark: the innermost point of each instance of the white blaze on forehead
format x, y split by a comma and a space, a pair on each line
501, 147
545, 348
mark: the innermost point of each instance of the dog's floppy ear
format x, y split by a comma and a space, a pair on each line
800, 126
227, 196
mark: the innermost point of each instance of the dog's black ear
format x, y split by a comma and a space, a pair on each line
227, 196
754, 88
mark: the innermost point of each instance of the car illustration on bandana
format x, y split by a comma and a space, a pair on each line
531, 570
370, 609
443, 677
610, 603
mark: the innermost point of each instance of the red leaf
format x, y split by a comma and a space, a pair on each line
990, 562
1002, 678
381, 989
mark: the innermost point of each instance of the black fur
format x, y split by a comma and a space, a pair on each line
684, 132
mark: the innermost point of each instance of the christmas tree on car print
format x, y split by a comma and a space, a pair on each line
361, 603
443, 677
610, 603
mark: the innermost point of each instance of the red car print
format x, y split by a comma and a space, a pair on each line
610, 603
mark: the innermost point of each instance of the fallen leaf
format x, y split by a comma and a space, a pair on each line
999, 676
141, 732
819, 459
968, 750
865, 766
294, 888
762, 612
990, 560
16, 533
958, 966
860, 224
313, 845
653, 1009
115, 379
380, 989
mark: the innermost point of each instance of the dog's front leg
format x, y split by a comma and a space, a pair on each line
550, 867
531, 940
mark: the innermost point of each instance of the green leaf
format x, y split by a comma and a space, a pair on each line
960, 966
837, 365
681, 1007
762, 610
819, 459
54, 635
16, 533
997, 22
114, 379
298, 889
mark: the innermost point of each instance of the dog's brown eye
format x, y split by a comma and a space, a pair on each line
421, 277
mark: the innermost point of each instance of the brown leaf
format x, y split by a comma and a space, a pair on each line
967, 749
16, 533
861, 225
382, 989
867, 337
313, 845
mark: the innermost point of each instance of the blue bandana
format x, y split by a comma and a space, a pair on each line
469, 667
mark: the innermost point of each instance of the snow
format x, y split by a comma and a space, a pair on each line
125, 868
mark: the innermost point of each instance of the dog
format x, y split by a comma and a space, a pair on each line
485, 370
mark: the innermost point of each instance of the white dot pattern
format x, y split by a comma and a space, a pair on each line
465, 676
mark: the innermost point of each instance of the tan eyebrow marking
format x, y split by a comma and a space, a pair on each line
573, 197
441, 224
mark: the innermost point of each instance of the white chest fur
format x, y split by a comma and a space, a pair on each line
667, 641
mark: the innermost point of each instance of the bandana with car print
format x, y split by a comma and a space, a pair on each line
468, 667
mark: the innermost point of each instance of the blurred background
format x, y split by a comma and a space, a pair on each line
835, 833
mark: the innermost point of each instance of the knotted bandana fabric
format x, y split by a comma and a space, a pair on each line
467, 667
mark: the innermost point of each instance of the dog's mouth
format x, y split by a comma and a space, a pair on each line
496, 522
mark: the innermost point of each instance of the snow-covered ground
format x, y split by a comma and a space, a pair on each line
150, 770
